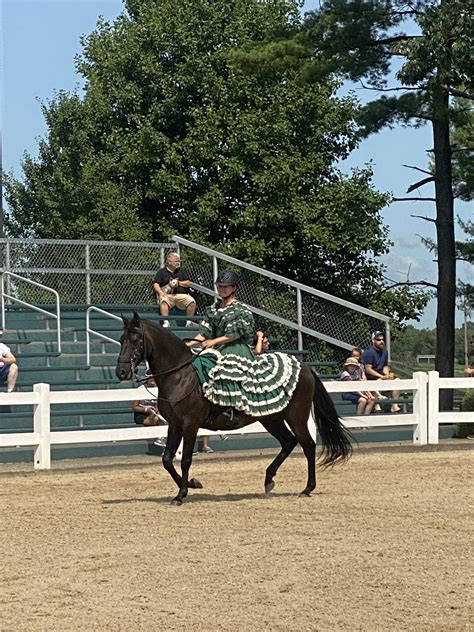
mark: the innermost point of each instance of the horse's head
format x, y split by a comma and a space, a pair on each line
132, 348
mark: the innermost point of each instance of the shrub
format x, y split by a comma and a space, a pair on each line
467, 404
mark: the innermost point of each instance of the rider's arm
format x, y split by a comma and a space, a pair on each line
221, 340
197, 339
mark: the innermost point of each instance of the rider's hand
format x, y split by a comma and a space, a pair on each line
207, 344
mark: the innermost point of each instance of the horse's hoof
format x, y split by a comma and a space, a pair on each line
269, 487
176, 502
305, 494
195, 484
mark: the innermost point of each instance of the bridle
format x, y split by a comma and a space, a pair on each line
140, 354
136, 357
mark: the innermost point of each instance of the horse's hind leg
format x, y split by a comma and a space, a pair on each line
287, 440
300, 427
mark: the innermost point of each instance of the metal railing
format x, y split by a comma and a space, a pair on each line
90, 331
6, 276
289, 303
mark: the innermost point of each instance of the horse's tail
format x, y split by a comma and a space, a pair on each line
336, 439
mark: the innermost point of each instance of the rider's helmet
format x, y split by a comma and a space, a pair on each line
228, 277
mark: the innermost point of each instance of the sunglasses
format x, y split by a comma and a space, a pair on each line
380, 340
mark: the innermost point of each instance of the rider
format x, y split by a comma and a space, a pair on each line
232, 376
228, 324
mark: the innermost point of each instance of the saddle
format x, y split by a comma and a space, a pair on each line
226, 419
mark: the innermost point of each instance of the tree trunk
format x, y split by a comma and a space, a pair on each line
445, 318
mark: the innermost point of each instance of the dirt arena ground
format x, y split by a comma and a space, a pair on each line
383, 545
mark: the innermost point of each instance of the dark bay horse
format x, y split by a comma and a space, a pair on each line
182, 403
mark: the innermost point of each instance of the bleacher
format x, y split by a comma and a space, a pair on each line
33, 339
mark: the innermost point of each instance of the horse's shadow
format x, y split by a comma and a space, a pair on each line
166, 500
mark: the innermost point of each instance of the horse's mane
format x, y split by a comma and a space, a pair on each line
162, 331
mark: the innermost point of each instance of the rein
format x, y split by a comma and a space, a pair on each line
142, 351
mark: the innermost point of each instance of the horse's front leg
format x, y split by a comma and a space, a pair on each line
175, 434
189, 439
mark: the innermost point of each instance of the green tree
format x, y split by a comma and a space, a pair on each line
358, 40
171, 135
412, 342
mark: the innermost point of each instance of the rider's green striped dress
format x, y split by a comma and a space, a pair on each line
232, 375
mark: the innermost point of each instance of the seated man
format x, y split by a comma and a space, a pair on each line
375, 360
8, 367
171, 286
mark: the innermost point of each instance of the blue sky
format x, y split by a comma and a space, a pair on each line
40, 39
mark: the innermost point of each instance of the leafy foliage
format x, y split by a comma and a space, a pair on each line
358, 40
172, 134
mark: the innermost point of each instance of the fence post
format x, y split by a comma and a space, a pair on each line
42, 425
433, 407
88, 275
3, 302
420, 409
299, 317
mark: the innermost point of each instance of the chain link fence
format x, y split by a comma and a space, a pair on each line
84, 272
121, 273
299, 317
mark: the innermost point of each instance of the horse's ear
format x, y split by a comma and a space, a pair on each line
136, 319
124, 320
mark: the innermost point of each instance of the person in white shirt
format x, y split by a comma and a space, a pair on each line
8, 367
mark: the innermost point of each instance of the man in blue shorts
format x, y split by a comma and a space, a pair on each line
8, 367
375, 360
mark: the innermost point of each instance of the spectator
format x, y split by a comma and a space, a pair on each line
375, 359
363, 399
357, 353
205, 447
146, 413
469, 371
171, 287
261, 344
8, 367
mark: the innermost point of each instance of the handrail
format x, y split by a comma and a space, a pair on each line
278, 277
90, 331
4, 295
299, 287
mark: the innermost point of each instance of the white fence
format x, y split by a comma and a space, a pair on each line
424, 419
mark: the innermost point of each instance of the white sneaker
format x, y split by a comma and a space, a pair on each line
224, 437
166, 323
160, 442
189, 323
207, 449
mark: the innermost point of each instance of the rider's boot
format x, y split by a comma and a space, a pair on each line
231, 417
